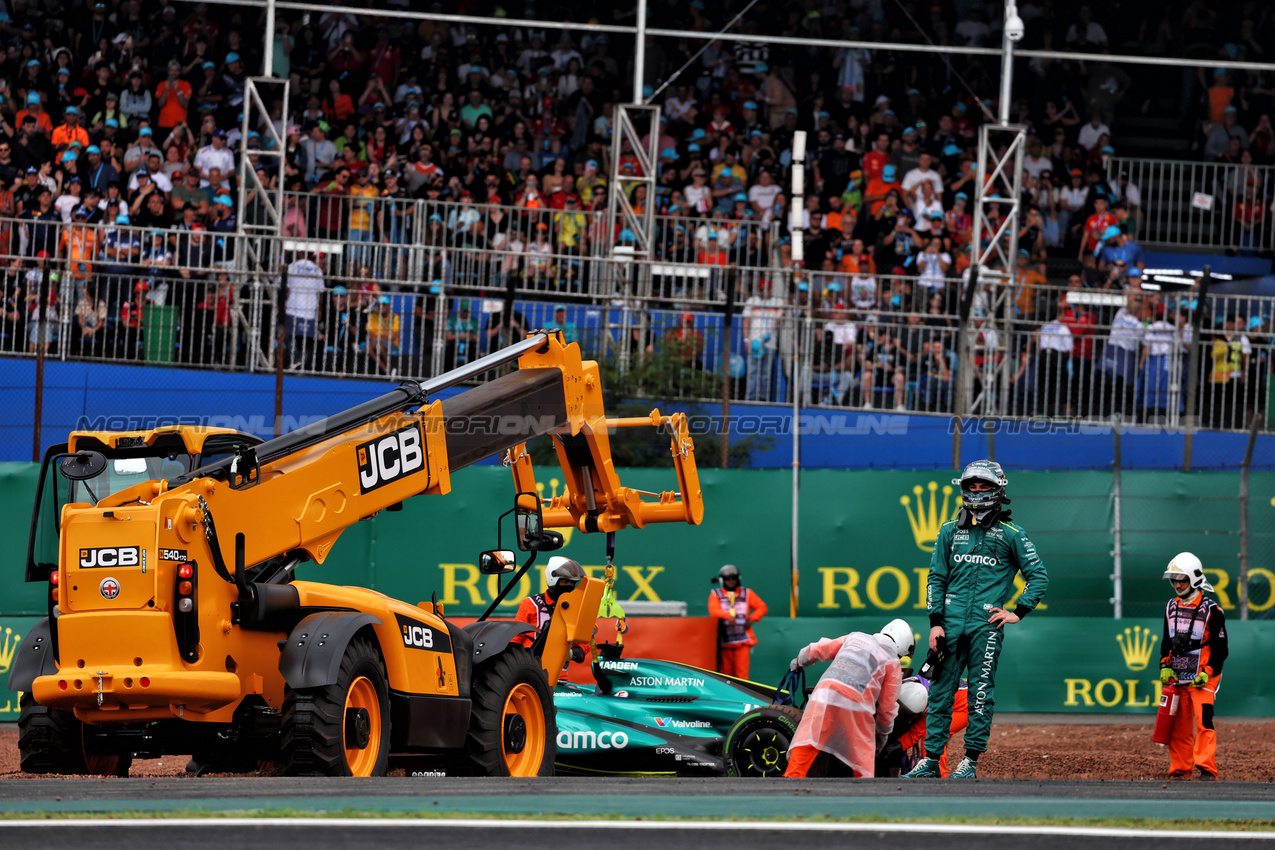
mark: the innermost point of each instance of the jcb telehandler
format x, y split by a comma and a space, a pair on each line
177, 625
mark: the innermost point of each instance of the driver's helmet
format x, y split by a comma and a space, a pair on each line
988, 471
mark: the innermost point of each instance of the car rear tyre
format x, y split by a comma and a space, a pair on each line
512, 730
341, 729
757, 743
51, 740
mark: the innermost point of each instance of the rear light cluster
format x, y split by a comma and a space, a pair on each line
186, 617
54, 580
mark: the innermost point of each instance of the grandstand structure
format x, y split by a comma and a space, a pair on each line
393, 194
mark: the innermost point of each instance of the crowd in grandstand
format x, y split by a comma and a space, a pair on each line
121, 127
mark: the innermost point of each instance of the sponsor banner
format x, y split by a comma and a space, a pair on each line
866, 538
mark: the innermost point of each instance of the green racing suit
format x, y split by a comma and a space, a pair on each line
971, 572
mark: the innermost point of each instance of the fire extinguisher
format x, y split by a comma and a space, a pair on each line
1164, 717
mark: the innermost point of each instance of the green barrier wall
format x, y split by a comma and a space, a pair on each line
1081, 665
865, 540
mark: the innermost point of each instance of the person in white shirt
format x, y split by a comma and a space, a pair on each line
761, 315
762, 196
565, 53
1162, 367
1035, 163
301, 311
216, 155
1054, 346
933, 264
923, 173
1086, 32
924, 208
1119, 364
680, 105
1092, 132
864, 291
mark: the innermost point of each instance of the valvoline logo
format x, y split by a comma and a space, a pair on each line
663, 722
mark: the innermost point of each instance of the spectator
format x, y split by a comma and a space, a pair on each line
1091, 134
761, 315
383, 335
461, 336
301, 312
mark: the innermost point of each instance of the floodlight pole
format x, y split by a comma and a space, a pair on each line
267, 58
639, 57
1011, 31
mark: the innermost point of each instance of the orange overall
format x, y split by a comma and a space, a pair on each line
960, 719
1194, 642
853, 707
535, 611
735, 612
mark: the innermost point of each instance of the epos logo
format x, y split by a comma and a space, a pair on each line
389, 458
110, 556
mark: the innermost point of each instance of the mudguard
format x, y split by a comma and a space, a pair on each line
311, 656
492, 636
35, 658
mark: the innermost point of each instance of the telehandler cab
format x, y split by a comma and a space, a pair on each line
177, 623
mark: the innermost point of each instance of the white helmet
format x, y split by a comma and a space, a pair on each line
913, 698
1186, 564
562, 568
898, 638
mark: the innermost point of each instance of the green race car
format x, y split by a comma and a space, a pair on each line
654, 718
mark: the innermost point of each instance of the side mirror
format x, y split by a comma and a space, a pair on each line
496, 562
82, 466
530, 526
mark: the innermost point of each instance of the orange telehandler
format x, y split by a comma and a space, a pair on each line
177, 625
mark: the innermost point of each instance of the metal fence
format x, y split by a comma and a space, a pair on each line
765, 335
1200, 204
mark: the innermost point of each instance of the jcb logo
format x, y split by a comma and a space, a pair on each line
418, 635
389, 458
110, 556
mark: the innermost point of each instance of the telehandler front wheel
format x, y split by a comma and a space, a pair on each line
51, 740
512, 730
341, 729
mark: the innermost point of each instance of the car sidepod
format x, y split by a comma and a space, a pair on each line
660, 717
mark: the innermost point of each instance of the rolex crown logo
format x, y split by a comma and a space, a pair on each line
8, 648
565, 531
1136, 646
926, 520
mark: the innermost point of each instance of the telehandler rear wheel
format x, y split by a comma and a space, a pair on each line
512, 730
51, 740
341, 729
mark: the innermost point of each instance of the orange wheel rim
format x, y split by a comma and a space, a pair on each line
362, 760
524, 702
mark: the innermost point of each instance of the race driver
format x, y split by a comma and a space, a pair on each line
1191, 656
561, 576
972, 574
851, 712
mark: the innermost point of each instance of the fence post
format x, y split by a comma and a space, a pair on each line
1117, 532
1245, 466
728, 319
280, 334
41, 331
1193, 369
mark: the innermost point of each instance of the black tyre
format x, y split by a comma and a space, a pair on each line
757, 743
341, 729
512, 727
51, 740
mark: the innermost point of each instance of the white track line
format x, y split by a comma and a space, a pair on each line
715, 826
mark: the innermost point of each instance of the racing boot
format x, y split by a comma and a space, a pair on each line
926, 768
967, 769
1205, 776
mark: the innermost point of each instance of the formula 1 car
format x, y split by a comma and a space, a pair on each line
651, 718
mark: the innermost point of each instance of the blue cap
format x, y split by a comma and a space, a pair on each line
1108, 149
33, 97
145, 131
384, 299
627, 235
72, 110
791, 111
1253, 322
81, 211
121, 219
113, 122
887, 173
668, 153
208, 65
339, 290
224, 200
760, 67
750, 104
435, 217
740, 197
232, 57
1230, 109
712, 234
142, 172
74, 180
593, 163
803, 286
1111, 232
1135, 272
951, 150
70, 156
34, 63
834, 287
699, 133
755, 133
93, 149
692, 148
